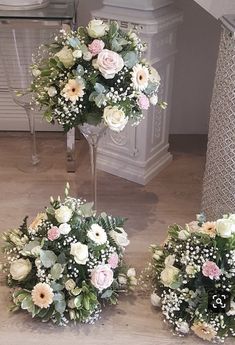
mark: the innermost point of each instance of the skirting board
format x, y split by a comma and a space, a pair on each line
133, 173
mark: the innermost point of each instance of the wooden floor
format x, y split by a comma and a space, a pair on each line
173, 196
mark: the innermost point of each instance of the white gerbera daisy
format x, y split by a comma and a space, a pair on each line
140, 77
42, 295
73, 90
97, 234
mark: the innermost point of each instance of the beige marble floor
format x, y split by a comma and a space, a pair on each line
173, 196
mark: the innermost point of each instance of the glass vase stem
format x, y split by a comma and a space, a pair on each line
93, 157
31, 120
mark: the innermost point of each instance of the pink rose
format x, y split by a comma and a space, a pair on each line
113, 260
211, 270
102, 277
95, 47
109, 63
53, 233
143, 102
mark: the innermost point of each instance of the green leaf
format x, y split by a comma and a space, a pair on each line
99, 88
27, 304
86, 302
56, 287
113, 29
87, 209
48, 258
99, 100
59, 296
28, 247
78, 301
130, 59
76, 291
107, 294
56, 271
60, 306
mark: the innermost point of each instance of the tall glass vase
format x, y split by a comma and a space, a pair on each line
93, 134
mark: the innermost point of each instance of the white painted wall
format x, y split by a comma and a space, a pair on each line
218, 7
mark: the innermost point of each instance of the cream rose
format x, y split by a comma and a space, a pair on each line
109, 63
97, 28
102, 277
63, 214
20, 269
65, 55
120, 237
115, 118
80, 253
225, 227
169, 275
155, 300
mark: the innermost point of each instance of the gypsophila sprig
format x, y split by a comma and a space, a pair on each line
68, 263
193, 278
94, 74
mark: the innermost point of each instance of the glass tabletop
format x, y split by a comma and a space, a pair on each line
56, 10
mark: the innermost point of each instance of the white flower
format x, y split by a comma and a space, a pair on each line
94, 64
87, 56
157, 254
51, 91
120, 237
170, 260
183, 327
71, 303
115, 118
38, 262
191, 270
63, 214
80, 253
20, 268
77, 53
64, 228
109, 63
183, 235
70, 284
42, 295
36, 72
154, 99
97, 28
97, 234
65, 56
154, 76
36, 251
193, 226
155, 300
140, 77
73, 90
131, 272
122, 279
231, 311
225, 227
134, 38
169, 275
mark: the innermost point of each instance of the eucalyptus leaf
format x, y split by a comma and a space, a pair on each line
56, 271
130, 59
78, 301
99, 100
87, 209
99, 88
86, 302
48, 258
80, 70
107, 294
29, 246
59, 296
56, 287
60, 306
73, 42
93, 96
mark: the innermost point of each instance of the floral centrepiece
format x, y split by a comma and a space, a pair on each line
67, 263
94, 74
193, 278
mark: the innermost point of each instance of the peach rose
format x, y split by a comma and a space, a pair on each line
102, 277
109, 63
96, 47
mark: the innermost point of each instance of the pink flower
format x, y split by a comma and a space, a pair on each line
143, 102
102, 277
113, 260
109, 63
95, 47
53, 233
211, 270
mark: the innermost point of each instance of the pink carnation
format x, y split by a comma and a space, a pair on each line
211, 270
95, 47
101, 277
143, 102
113, 260
53, 233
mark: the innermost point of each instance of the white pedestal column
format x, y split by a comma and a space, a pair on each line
139, 153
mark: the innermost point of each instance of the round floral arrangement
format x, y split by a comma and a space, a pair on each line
94, 74
193, 278
67, 263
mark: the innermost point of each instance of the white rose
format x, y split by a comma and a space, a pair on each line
183, 235
36, 72
20, 269
65, 56
122, 279
154, 99
109, 63
70, 284
97, 28
115, 118
120, 237
169, 275
77, 53
183, 327
80, 252
170, 260
52, 91
64, 228
155, 300
63, 214
131, 272
87, 56
154, 76
225, 227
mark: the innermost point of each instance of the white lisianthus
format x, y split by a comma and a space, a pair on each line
155, 300
51, 91
170, 260
65, 55
80, 253
120, 237
157, 254
122, 279
231, 311
115, 118
97, 28
36, 72
87, 56
131, 272
64, 228
169, 275
63, 214
225, 227
77, 53
20, 269
70, 284
183, 327
183, 235
154, 99
97, 234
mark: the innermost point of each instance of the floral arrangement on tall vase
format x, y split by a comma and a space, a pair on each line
94, 78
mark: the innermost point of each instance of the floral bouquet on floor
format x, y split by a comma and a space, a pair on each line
92, 75
68, 263
193, 278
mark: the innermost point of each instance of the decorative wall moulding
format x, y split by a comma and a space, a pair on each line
22, 4
147, 5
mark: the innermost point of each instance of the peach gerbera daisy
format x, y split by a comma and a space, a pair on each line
209, 228
73, 90
204, 331
140, 77
42, 295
